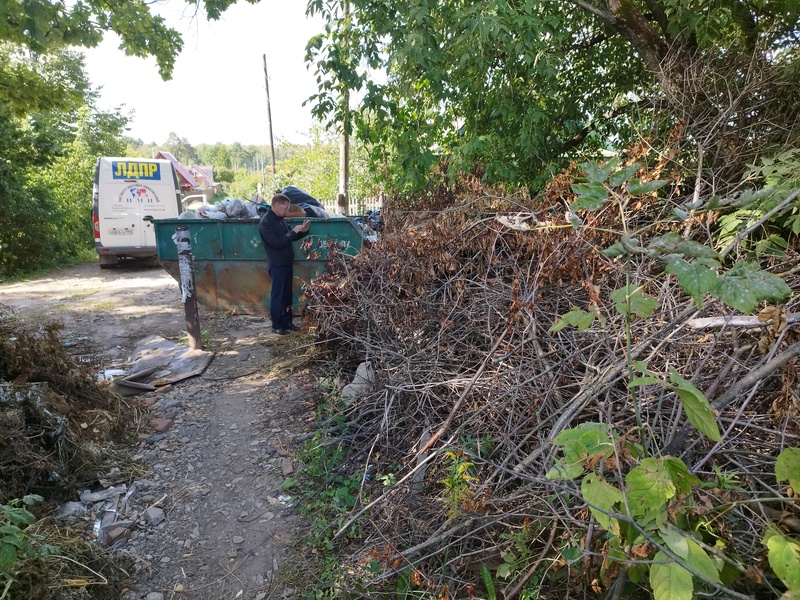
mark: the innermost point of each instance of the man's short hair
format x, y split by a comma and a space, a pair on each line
281, 199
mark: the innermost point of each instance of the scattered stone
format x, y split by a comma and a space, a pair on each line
154, 515
149, 400
161, 425
155, 438
237, 539
286, 467
164, 389
154, 596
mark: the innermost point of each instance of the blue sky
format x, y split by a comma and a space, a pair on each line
217, 90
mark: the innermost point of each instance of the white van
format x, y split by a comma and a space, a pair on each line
128, 194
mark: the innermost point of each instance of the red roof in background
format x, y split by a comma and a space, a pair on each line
183, 172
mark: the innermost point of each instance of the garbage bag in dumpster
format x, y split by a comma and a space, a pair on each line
230, 266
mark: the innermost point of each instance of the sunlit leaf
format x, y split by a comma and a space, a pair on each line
701, 562
669, 580
577, 318
681, 477
601, 496
675, 540
649, 486
787, 467
579, 443
644, 380
784, 557
696, 405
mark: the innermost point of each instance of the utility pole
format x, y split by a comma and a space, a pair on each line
269, 115
343, 198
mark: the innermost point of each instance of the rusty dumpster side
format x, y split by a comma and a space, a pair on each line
230, 266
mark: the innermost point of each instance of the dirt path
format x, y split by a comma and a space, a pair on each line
208, 520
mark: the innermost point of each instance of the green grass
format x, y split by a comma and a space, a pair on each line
57, 264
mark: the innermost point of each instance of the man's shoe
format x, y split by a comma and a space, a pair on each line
280, 331
291, 327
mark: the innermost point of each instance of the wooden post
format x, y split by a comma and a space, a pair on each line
188, 296
269, 116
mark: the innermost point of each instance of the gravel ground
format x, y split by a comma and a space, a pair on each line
208, 519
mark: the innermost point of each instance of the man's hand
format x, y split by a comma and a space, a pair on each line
304, 227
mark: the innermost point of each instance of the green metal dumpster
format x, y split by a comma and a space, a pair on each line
230, 266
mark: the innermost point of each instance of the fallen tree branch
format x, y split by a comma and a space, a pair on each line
736, 321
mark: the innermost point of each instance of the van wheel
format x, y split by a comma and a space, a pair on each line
108, 261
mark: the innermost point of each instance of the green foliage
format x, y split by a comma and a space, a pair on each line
181, 149
784, 557
223, 175
327, 485
578, 318
513, 90
602, 497
651, 495
244, 185
594, 440
517, 553
458, 482
783, 552
771, 227
632, 301
16, 543
787, 467
669, 580
697, 268
698, 410
650, 503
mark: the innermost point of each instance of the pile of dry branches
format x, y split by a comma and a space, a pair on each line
58, 425
453, 309
58, 433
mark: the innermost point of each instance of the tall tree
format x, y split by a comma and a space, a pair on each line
511, 87
181, 149
49, 154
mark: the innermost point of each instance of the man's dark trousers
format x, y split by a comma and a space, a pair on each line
280, 302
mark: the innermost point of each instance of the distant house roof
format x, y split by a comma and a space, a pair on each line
183, 173
203, 175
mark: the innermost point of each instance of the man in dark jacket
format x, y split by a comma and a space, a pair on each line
278, 237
